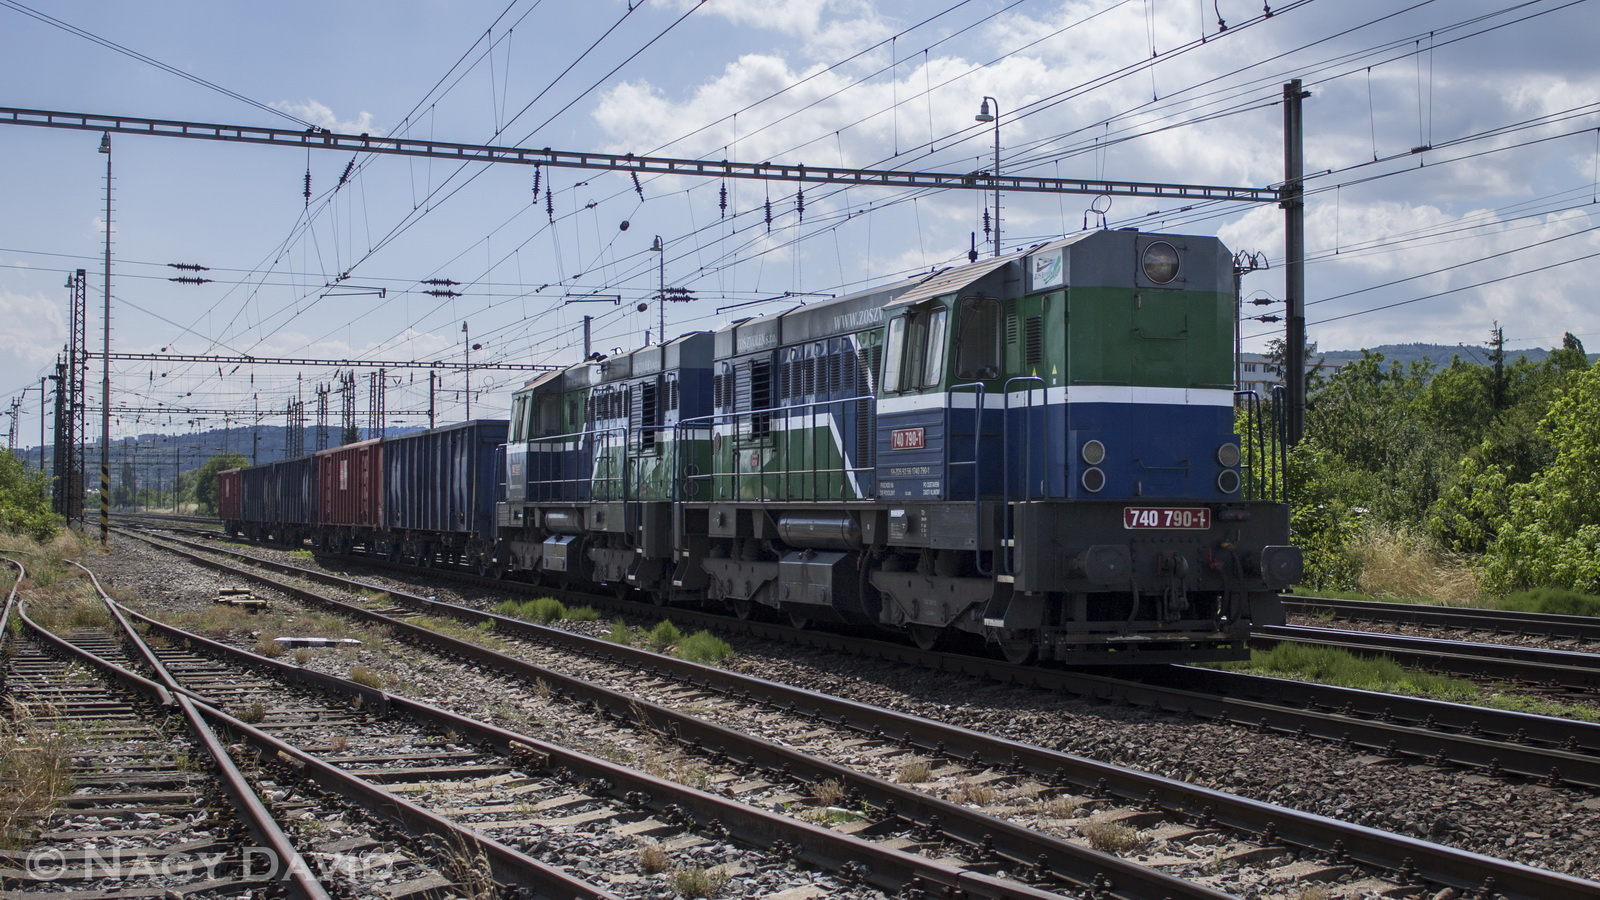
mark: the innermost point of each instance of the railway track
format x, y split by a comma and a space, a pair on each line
1573, 671
1497, 741
1148, 798
1494, 621
585, 809
147, 805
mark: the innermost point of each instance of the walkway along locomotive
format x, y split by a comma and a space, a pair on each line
1035, 451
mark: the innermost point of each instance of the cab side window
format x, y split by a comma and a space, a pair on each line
978, 348
519, 411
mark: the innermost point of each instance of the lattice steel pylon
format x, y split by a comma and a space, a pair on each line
294, 429
378, 384
347, 407
77, 427
323, 391
61, 482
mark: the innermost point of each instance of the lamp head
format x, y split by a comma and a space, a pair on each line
105, 142
983, 112
657, 246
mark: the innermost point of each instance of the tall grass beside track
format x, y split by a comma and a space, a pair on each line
1399, 566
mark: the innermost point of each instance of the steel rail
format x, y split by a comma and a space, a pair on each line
1525, 664
507, 864
1022, 846
1444, 865
1497, 620
246, 801
885, 867
5, 614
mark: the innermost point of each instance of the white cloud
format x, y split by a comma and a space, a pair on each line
319, 114
35, 328
826, 29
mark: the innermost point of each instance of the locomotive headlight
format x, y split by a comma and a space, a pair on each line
1093, 480
1228, 455
1160, 262
1228, 481
1093, 452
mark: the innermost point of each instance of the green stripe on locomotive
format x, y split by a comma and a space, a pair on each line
788, 448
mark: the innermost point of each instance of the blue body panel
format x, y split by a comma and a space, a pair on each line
281, 492
1154, 451
446, 479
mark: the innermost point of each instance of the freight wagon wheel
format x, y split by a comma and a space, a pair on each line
1018, 650
743, 608
799, 619
926, 637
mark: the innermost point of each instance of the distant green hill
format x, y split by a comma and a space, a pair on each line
1439, 354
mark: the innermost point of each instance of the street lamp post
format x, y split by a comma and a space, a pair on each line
466, 349
984, 116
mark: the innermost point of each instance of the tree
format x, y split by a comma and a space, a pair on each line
25, 501
1549, 533
205, 485
127, 490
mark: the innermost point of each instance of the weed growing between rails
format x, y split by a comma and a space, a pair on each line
1341, 668
35, 769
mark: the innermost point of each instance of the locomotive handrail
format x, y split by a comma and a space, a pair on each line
1252, 441
1267, 465
977, 467
780, 447
602, 438
1006, 522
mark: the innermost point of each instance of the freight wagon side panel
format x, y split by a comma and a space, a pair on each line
230, 495
297, 489
260, 500
444, 480
350, 480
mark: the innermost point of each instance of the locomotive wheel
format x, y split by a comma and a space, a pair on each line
926, 637
1018, 650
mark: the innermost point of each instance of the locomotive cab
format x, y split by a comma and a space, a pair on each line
1057, 455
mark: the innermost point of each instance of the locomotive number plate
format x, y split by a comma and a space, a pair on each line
907, 439
1180, 517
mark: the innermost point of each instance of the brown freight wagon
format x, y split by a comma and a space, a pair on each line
350, 479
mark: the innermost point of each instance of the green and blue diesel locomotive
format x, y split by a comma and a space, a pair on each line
1036, 452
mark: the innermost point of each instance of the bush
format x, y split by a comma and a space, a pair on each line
664, 635
544, 609
619, 633
25, 501
702, 647
582, 614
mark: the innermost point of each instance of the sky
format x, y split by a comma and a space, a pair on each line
1451, 148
